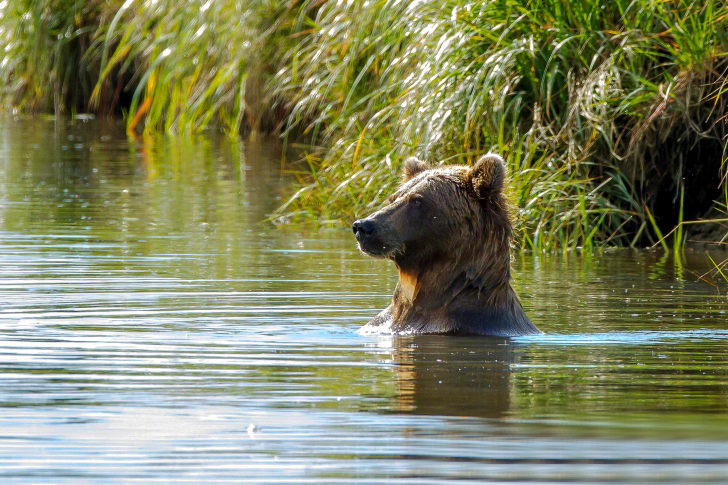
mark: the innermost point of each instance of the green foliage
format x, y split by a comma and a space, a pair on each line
43, 66
609, 112
578, 96
178, 68
195, 61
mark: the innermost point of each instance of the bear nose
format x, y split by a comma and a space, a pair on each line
363, 228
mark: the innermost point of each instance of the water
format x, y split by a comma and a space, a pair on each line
155, 329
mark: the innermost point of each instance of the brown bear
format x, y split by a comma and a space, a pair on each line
448, 231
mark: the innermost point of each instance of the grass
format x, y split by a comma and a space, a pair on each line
598, 107
719, 267
43, 44
609, 112
166, 68
197, 65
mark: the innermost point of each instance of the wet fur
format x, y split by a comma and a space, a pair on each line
448, 230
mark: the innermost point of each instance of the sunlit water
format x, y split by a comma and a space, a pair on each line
155, 329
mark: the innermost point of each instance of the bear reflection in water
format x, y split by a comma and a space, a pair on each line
454, 377
448, 230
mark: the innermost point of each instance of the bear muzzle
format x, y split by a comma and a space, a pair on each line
363, 229
366, 234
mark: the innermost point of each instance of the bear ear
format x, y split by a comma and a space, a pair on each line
488, 175
413, 166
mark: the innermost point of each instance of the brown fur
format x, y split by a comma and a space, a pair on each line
448, 231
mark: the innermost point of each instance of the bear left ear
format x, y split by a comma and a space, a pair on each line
413, 166
488, 175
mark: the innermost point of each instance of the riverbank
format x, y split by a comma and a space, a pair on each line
609, 113
164, 68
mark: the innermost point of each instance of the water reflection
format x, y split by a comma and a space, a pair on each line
453, 376
149, 317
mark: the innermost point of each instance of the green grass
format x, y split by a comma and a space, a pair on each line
198, 61
595, 105
609, 112
165, 66
43, 62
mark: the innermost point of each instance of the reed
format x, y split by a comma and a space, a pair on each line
608, 112
196, 62
166, 68
599, 107
719, 267
43, 62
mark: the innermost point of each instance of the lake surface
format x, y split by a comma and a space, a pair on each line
154, 328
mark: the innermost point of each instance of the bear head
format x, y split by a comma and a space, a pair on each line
451, 216
448, 231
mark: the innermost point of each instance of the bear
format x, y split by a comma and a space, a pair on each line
448, 231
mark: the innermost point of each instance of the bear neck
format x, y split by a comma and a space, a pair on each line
444, 283
459, 304
469, 293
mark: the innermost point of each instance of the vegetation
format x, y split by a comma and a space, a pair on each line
44, 67
603, 108
176, 69
610, 113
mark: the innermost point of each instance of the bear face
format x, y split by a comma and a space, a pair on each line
448, 231
449, 202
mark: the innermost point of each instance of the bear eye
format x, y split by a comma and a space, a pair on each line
416, 201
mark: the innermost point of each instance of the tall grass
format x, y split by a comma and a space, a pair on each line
197, 61
598, 105
43, 45
167, 66
609, 112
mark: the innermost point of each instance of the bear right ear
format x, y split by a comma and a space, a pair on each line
488, 175
413, 166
